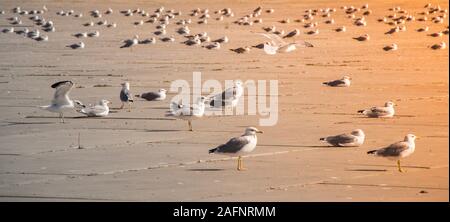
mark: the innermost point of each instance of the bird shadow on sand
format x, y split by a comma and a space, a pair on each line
205, 170
383, 166
27, 123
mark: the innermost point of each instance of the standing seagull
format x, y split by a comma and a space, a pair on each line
238, 146
229, 97
397, 150
344, 82
386, 111
154, 96
125, 95
355, 138
188, 113
99, 110
61, 101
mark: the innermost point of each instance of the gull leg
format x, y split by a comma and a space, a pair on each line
129, 107
399, 167
62, 115
121, 107
190, 125
240, 165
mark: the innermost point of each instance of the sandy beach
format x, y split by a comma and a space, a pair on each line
143, 155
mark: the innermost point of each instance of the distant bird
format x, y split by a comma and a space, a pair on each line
81, 35
436, 34
293, 33
391, 47
376, 112
229, 97
125, 95
239, 146
214, 45
154, 96
241, 50
441, 45
99, 110
343, 82
355, 138
79, 45
424, 29
341, 29
186, 112
362, 38
130, 42
61, 102
94, 34
222, 40
397, 150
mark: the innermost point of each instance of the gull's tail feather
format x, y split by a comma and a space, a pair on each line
361, 111
325, 83
212, 150
323, 139
372, 152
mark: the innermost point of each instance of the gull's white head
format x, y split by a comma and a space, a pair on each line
410, 137
125, 85
347, 78
358, 132
162, 91
252, 131
202, 100
389, 104
104, 102
238, 83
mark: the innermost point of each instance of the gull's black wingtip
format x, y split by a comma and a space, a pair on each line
55, 85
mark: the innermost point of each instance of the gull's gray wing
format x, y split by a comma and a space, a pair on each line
393, 150
234, 145
125, 95
335, 83
379, 110
62, 89
341, 139
150, 96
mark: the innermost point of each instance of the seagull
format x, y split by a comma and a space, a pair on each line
222, 40
130, 42
296, 32
374, 112
343, 82
241, 50
341, 29
99, 110
94, 34
278, 45
61, 101
391, 47
441, 45
151, 40
397, 150
188, 113
362, 38
355, 138
424, 29
154, 96
238, 146
214, 45
81, 35
79, 45
229, 97
125, 95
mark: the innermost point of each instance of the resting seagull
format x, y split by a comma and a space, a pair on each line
278, 45
188, 113
125, 95
397, 150
229, 97
343, 82
99, 110
386, 111
154, 96
61, 101
238, 146
355, 138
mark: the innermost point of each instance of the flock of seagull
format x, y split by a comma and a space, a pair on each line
276, 43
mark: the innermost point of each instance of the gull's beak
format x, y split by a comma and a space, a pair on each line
417, 137
259, 131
